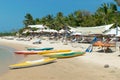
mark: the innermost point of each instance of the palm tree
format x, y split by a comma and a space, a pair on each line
28, 20
59, 20
71, 20
113, 7
105, 11
118, 2
37, 21
78, 17
49, 21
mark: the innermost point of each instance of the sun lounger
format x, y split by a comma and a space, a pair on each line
37, 41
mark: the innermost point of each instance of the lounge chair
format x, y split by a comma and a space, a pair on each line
104, 45
37, 41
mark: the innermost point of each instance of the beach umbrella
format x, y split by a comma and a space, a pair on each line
62, 31
52, 30
76, 33
115, 31
36, 26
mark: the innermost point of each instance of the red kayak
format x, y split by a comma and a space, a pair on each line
27, 52
40, 52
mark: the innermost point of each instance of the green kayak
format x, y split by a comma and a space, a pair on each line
64, 54
39, 49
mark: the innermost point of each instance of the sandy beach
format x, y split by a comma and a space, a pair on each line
87, 67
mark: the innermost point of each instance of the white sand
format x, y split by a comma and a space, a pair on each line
87, 67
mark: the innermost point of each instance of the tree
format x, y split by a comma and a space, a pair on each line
118, 2
28, 20
78, 17
105, 11
37, 21
105, 14
71, 20
59, 20
49, 21
113, 7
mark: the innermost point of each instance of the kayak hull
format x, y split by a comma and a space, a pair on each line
39, 49
64, 54
32, 63
53, 51
40, 52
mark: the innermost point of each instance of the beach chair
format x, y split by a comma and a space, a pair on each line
104, 45
90, 47
37, 41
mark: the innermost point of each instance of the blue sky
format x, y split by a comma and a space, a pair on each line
12, 12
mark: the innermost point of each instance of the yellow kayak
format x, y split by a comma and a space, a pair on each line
64, 54
32, 63
53, 51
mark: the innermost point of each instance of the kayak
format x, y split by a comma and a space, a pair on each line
53, 51
40, 52
64, 54
26, 52
39, 49
32, 63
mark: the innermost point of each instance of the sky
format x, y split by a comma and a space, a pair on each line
12, 12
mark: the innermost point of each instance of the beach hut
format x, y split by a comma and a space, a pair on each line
93, 30
37, 26
76, 33
50, 31
115, 31
62, 31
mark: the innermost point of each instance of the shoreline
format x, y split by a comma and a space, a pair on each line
12, 46
87, 67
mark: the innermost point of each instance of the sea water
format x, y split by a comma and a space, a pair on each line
7, 57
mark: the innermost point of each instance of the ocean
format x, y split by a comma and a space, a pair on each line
7, 57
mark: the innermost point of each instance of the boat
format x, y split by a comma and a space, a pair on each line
64, 54
26, 52
39, 49
53, 51
32, 63
40, 52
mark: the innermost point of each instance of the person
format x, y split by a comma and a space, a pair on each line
55, 35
